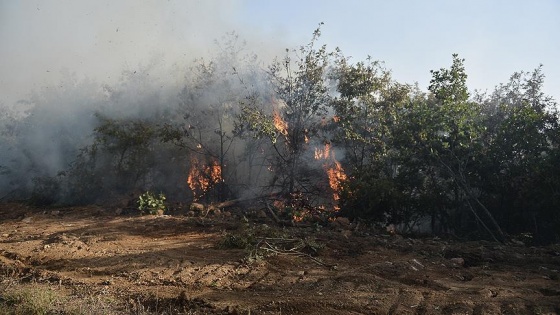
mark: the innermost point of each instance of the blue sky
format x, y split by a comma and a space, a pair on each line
496, 37
43, 40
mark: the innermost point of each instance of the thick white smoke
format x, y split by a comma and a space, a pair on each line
64, 61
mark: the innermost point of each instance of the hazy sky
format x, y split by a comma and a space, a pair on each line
44, 40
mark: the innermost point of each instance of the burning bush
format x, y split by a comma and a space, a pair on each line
203, 177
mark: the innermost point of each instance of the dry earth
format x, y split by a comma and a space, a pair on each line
175, 264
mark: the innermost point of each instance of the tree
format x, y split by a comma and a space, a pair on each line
368, 111
364, 112
209, 105
123, 157
291, 118
457, 140
518, 170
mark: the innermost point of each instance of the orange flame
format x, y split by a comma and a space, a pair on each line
202, 177
279, 123
334, 170
323, 154
298, 217
336, 178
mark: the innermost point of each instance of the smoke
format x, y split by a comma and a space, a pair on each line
44, 40
65, 62
106, 98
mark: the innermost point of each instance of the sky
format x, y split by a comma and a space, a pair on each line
43, 41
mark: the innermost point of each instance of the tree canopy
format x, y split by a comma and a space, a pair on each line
338, 137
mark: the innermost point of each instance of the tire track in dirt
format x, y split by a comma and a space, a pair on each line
151, 257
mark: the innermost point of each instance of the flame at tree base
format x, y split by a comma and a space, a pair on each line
337, 177
298, 208
334, 171
203, 177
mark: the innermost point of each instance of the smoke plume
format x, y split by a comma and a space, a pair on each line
73, 63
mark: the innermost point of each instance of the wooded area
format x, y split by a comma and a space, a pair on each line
317, 133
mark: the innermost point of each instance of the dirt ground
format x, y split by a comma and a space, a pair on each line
179, 264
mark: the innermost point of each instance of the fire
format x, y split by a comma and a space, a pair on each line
298, 217
297, 206
323, 154
280, 124
202, 177
336, 178
334, 170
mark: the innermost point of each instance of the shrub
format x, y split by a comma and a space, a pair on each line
151, 204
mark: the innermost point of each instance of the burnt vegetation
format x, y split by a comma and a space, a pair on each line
315, 134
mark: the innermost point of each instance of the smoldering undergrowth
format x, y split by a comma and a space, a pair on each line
313, 132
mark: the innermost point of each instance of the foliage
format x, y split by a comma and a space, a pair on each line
468, 164
368, 113
520, 181
209, 105
292, 116
122, 148
46, 191
126, 155
149, 203
129, 144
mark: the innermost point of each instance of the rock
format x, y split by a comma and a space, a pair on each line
488, 293
55, 212
27, 220
459, 262
5, 235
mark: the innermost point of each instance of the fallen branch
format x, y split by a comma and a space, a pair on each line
213, 207
220, 205
274, 216
295, 251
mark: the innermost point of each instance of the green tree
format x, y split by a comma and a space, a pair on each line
520, 182
292, 116
456, 142
125, 148
368, 112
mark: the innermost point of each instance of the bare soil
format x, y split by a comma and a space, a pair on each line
178, 264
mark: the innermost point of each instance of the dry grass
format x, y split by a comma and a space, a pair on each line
46, 300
